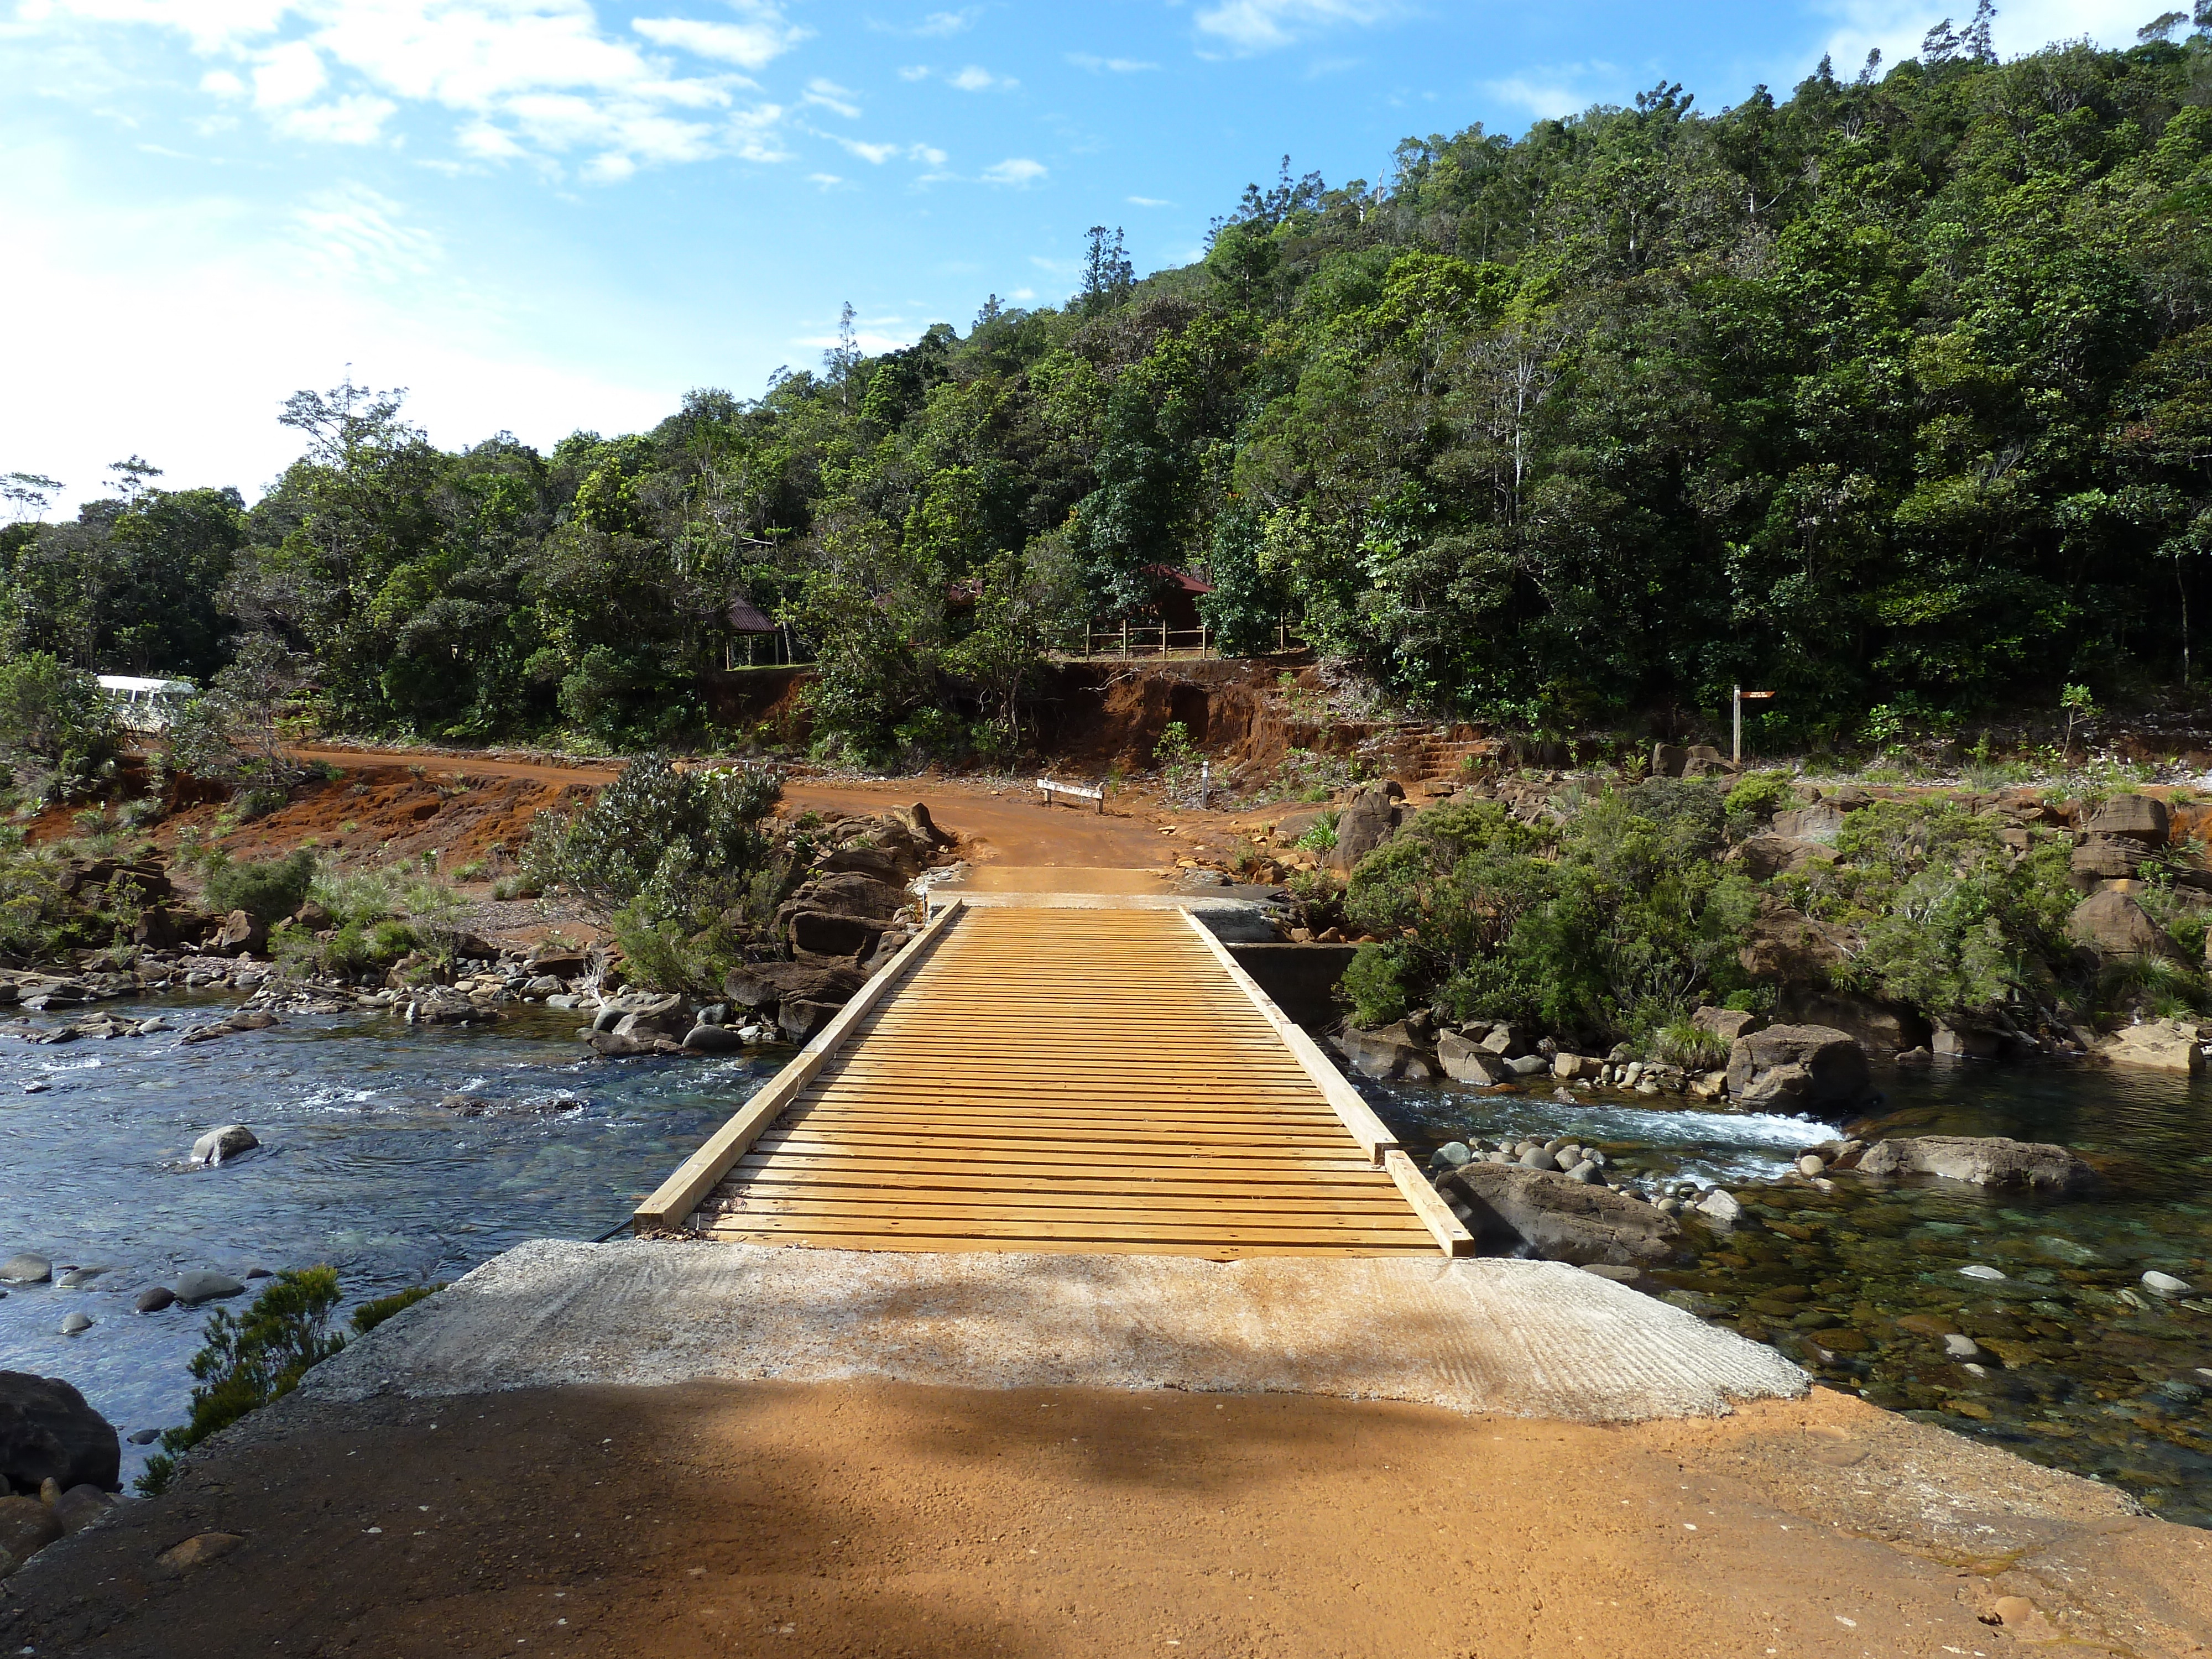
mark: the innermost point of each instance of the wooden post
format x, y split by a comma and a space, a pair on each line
1125, 639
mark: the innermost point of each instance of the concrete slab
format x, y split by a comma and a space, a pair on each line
1531, 1339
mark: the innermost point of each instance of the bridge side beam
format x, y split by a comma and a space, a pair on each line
672, 1203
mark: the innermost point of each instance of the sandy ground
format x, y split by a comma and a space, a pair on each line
1008, 827
873, 1518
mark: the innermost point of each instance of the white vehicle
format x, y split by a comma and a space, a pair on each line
147, 705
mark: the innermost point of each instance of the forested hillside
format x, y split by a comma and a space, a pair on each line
1895, 394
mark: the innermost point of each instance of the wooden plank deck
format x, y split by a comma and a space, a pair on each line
1066, 1080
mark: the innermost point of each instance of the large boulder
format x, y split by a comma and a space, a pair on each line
1818, 822
2141, 818
1728, 1023
828, 936
1786, 945
1369, 819
1515, 1210
1470, 1062
1881, 1027
763, 984
2157, 1045
851, 893
223, 1143
47, 1432
1388, 1053
242, 931
1797, 1068
1984, 1160
1763, 856
2119, 929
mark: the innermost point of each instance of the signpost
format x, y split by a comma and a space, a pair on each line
1742, 697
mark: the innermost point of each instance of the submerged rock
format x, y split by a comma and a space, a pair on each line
1513, 1209
2158, 1045
1985, 1161
200, 1285
26, 1268
2159, 1284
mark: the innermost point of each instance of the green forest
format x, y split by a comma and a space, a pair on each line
1894, 395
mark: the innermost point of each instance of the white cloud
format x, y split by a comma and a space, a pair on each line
748, 45
937, 25
976, 78
915, 72
356, 119
928, 153
289, 74
826, 180
1263, 25
1895, 26
254, 303
1552, 93
873, 155
1146, 201
1018, 171
832, 96
1023, 294
1083, 60
529, 76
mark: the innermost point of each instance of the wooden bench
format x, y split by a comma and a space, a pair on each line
1073, 791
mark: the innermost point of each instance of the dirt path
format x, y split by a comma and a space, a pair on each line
465, 762
761, 1518
1009, 828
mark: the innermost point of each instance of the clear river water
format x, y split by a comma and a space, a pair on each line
363, 1168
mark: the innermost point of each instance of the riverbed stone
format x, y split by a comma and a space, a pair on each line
1469, 1062
1793, 1068
75, 1322
2161, 1284
705, 1039
223, 1143
154, 1298
1722, 1206
47, 1432
200, 1285
27, 1526
26, 1268
1957, 1345
1388, 1053
1532, 1211
1983, 1160
2157, 1045
1728, 1023
80, 1506
1979, 1270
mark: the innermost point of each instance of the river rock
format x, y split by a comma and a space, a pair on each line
1389, 1053
2161, 1284
47, 1432
1959, 1347
1788, 946
2157, 1045
1722, 1206
1520, 1209
1885, 1028
1984, 1160
26, 1268
154, 1298
1456, 1153
242, 931
1764, 856
78, 1278
1795, 1068
80, 1506
1468, 1062
803, 1020
764, 984
1728, 1023
27, 1526
1977, 1270
201, 1284
713, 1040
220, 1145
74, 1324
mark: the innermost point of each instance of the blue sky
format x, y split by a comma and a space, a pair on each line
544, 215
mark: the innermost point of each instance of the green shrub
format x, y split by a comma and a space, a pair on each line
514, 887
1320, 837
59, 733
248, 1360
267, 890
1689, 1046
368, 1317
1758, 795
1374, 983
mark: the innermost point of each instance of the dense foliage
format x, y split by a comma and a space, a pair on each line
1890, 395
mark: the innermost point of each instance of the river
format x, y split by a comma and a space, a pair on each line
363, 1168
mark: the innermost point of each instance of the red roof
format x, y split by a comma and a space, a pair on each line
1181, 579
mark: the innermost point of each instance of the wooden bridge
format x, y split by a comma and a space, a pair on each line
1026, 1077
